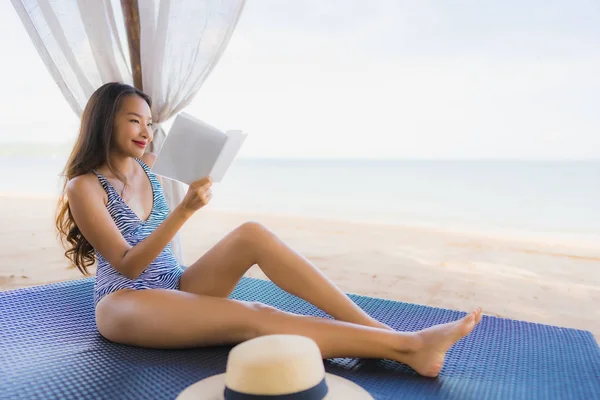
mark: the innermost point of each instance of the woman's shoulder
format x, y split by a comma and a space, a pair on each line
84, 184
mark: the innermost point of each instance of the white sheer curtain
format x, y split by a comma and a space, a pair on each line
83, 43
180, 43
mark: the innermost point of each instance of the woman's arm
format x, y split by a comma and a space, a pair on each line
86, 201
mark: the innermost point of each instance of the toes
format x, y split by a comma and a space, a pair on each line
479, 316
471, 321
466, 325
469, 318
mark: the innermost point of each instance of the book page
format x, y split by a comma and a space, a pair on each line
190, 151
235, 140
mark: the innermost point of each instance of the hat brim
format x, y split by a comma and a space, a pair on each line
212, 389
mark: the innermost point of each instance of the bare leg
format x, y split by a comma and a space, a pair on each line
218, 271
173, 319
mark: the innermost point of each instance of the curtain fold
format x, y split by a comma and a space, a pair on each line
83, 44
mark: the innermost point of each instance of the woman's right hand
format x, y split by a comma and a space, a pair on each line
198, 195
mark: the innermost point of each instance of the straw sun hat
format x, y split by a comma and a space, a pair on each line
289, 366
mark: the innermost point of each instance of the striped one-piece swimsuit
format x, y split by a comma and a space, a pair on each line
164, 272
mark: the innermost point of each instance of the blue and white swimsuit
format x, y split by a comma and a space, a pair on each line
164, 272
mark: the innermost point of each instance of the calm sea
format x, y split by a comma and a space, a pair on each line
537, 196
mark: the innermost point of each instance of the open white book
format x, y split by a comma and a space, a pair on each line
194, 149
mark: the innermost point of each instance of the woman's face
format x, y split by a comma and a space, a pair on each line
133, 127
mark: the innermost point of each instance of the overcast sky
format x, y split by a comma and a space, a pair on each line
385, 78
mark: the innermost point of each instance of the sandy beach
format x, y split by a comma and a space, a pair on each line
538, 280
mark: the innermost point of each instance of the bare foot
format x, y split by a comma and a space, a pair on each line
434, 342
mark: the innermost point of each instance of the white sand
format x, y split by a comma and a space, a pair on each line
547, 281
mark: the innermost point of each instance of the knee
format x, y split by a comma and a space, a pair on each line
251, 232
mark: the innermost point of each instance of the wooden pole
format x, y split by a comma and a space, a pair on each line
131, 15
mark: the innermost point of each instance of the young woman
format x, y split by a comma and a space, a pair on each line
113, 212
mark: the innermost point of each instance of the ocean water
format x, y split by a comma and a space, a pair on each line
527, 196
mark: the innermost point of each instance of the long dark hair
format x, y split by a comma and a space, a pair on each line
91, 150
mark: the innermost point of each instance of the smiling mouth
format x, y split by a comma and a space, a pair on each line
140, 144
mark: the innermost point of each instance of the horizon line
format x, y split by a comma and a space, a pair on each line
58, 149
